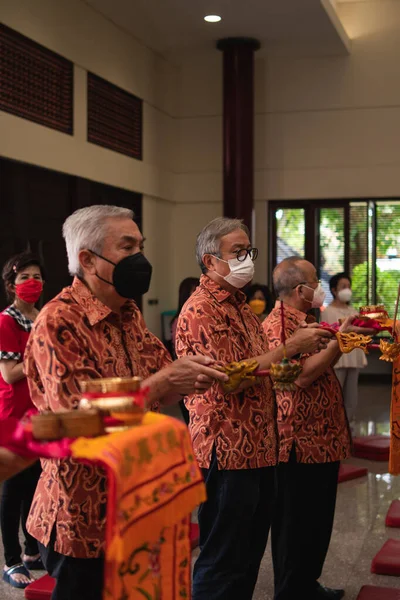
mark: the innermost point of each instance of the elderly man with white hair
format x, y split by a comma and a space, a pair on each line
93, 329
234, 435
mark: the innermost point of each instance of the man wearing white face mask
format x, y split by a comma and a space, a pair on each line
348, 366
234, 434
313, 439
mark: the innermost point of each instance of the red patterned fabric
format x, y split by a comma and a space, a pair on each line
314, 418
77, 337
215, 323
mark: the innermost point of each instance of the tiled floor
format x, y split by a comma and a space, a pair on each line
359, 529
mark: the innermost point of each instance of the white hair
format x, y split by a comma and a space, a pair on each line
87, 228
209, 239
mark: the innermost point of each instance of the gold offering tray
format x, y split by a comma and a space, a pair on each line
111, 397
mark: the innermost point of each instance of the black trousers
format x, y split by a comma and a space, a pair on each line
16, 499
76, 578
302, 525
234, 527
184, 412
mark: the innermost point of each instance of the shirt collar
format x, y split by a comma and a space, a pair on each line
94, 309
219, 293
299, 315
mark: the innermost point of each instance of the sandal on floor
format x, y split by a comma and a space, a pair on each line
34, 565
7, 576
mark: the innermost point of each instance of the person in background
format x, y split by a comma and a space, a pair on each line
348, 366
23, 281
313, 439
260, 300
186, 289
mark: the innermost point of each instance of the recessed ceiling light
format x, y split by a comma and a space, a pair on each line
212, 18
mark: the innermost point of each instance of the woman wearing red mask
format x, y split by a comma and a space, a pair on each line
23, 281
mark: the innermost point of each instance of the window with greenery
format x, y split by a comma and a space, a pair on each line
360, 237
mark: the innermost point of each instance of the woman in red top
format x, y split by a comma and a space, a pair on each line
23, 281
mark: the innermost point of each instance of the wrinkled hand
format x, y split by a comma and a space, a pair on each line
310, 338
193, 375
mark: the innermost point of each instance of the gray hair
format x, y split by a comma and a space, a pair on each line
287, 275
87, 228
209, 239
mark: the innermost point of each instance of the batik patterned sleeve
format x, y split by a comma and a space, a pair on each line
56, 360
163, 356
272, 327
199, 332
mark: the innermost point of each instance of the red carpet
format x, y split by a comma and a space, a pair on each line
387, 561
393, 515
40, 589
372, 447
347, 472
372, 592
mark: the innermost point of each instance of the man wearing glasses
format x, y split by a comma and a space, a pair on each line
234, 435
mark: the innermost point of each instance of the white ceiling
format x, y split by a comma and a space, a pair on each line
174, 26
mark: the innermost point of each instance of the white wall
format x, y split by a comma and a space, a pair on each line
325, 127
82, 35
72, 29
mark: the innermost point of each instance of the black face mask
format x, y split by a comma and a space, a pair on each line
131, 276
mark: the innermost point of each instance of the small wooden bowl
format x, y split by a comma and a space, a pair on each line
46, 426
111, 384
79, 423
70, 424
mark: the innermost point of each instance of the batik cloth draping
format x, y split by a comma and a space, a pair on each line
154, 482
394, 458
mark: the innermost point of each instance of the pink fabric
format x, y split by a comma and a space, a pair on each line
369, 323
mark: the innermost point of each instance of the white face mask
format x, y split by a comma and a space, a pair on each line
344, 295
319, 296
241, 271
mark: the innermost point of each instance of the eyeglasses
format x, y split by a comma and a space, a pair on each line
306, 283
242, 254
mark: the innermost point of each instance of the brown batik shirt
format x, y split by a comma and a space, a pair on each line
241, 426
76, 337
312, 418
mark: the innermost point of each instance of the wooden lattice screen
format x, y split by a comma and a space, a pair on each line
114, 117
35, 83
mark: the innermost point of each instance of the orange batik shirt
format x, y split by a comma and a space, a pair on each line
313, 418
76, 337
241, 426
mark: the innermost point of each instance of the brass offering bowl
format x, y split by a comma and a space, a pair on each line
111, 384
285, 373
114, 397
374, 311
